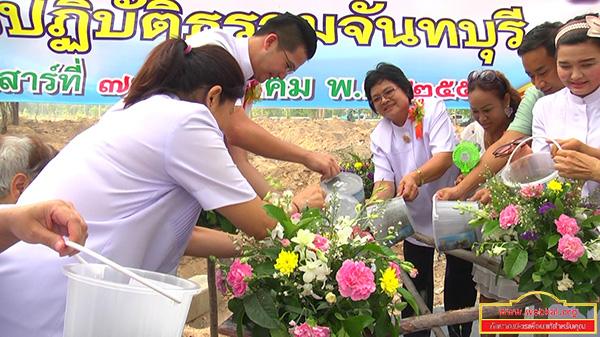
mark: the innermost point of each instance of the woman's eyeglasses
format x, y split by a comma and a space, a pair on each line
486, 76
387, 94
507, 149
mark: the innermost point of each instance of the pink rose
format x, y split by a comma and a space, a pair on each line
285, 242
596, 212
509, 216
531, 191
237, 272
321, 243
355, 280
570, 247
305, 330
566, 225
220, 281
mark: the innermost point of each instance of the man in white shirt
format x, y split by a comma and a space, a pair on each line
277, 49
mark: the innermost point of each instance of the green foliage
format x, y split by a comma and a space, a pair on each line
353, 163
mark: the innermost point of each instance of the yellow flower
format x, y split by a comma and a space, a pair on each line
555, 185
389, 282
286, 262
358, 165
347, 166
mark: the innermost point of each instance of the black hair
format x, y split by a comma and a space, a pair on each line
293, 31
386, 71
174, 69
542, 35
500, 87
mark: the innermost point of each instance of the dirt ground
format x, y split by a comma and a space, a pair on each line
323, 136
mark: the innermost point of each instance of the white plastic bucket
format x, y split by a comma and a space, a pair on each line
102, 301
532, 169
396, 220
345, 183
451, 228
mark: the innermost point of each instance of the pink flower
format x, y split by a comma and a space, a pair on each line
531, 191
305, 330
285, 242
220, 281
509, 216
296, 217
570, 247
596, 212
566, 225
235, 278
355, 280
321, 243
414, 273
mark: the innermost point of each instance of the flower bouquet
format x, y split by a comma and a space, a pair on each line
364, 167
546, 237
316, 276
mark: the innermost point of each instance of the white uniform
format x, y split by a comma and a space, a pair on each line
394, 157
564, 116
238, 47
140, 178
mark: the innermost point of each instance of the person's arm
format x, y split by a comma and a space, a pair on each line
205, 242
576, 145
383, 189
245, 133
46, 223
255, 178
432, 170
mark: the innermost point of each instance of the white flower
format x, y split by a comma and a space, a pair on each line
344, 234
277, 232
288, 194
307, 290
330, 298
304, 238
566, 283
593, 250
498, 250
314, 268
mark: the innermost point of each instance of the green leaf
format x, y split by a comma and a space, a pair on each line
261, 309
553, 240
408, 297
383, 324
276, 213
536, 277
279, 333
588, 222
490, 227
515, 262
356, 324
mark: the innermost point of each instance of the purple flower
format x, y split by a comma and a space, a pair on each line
546, 207
529, 236
371, 175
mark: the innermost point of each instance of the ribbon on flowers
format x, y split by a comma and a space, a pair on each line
253, 92
415, 114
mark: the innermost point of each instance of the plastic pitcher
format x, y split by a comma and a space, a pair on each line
532, 169
345, 183
102, 301
451, 228
396, 220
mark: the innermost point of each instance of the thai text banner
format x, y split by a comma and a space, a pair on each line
87, 52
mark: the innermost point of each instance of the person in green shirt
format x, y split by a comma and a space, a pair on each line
537, 52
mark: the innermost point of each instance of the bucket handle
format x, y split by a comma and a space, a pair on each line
123, 270
433, 210
528, 139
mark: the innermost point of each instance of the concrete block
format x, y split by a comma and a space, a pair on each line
200, 302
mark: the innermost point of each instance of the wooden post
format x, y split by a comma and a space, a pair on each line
212, 297
423, 309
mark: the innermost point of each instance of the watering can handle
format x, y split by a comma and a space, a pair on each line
528, 139
123, 270
433, 211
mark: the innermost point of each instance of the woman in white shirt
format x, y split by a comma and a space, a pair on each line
572, 115
140, 178
412, 152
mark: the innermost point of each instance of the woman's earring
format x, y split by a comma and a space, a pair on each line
508, 111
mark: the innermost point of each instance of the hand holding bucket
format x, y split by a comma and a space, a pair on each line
451, 228
532, 169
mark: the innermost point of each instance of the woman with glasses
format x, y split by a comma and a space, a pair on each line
412, 152
493, 103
